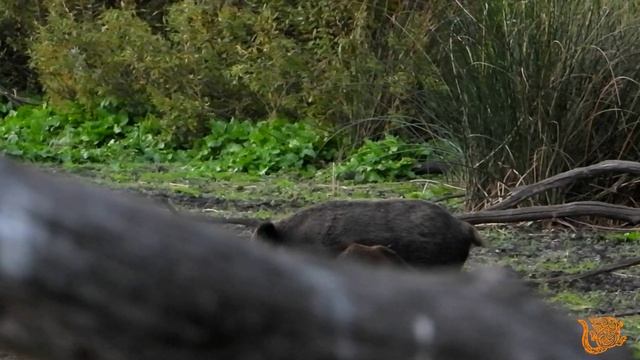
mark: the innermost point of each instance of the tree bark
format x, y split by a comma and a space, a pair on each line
88, 274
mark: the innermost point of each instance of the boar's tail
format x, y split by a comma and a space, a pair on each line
476, 238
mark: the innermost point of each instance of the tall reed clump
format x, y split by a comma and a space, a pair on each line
538, 87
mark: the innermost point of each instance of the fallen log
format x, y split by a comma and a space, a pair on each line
522, 193
580, 208
88, 274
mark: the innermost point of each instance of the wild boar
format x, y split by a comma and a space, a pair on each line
422, 233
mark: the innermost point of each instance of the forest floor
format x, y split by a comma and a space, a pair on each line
533, 250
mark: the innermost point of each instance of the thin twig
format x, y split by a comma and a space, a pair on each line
605, 269
632, 312
608, 228
447, 197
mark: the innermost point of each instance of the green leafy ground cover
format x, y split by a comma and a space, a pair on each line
107, 136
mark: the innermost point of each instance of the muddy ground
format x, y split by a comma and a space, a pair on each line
534, 251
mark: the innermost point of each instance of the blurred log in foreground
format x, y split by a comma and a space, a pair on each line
87, 274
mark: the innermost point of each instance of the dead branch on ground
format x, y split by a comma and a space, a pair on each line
524, 192
581, 208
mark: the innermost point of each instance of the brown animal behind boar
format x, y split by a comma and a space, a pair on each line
422, 233
376, 254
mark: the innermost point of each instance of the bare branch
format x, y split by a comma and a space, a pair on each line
524, 192
633, 312
18, 100
605, 269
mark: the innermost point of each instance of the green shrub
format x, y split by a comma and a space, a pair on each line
38, 133
104, 135
107, 135
91, 61
263, 148
384, 160
336, 62
25, 132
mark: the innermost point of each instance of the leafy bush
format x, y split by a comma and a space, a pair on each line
76, 135
24, 133
384, 160
90, 61
38, 133
104, 135
263, 148
332, 61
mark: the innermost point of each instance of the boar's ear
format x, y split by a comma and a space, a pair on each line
267, 231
